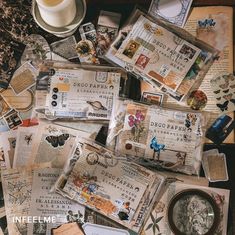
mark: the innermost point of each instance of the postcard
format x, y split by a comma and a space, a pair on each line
52, 144
94, 177
46, 204
168, 137
175, 12
17, 187
23, 78
82, 93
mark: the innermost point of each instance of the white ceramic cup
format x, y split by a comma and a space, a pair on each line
57, 13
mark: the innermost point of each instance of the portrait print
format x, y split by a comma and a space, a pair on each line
142, 61
131, 49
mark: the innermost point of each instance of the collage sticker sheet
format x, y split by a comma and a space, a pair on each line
165, 136
162, 58
82, 93
120, 190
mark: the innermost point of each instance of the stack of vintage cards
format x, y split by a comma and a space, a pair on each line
160, 54
169, 138
116, 188
174, 11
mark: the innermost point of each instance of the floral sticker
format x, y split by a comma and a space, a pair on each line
136, 122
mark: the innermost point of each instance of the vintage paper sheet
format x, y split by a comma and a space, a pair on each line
24, 140
53, 143
46, 204
221, 197
166, 136
17, 187
83, 94
120, 190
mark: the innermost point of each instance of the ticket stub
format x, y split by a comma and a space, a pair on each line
83, 94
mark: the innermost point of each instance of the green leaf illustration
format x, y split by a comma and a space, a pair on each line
154, 229
157, 227
158, 219
149, 226
152, 217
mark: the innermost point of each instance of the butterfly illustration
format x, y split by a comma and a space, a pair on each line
223, 106
28, 138
233, 101
226, 91
58, 140
217, 92
206, 23
155, 146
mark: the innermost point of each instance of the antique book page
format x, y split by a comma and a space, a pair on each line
219, 34
46, 204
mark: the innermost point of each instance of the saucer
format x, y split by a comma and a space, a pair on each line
67, 30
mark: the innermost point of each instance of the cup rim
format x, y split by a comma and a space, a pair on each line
57, 7
60, 31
